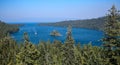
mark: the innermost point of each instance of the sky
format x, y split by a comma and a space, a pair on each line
53, 10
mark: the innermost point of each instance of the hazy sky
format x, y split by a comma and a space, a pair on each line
53, 10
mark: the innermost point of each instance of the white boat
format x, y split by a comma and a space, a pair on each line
35, 33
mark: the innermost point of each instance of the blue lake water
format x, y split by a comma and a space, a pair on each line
84, 36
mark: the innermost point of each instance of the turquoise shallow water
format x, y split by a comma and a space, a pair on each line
37, 33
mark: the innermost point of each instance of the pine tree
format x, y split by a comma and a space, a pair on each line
26, 38
42, 49
8, 49
79, 59
57, 52
28, 55
112, 35
68, 48
92, 55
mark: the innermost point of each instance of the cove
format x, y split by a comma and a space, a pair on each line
42, 33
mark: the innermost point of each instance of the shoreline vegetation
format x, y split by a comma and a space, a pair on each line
8, 28
95, 23
55, 33
67, 53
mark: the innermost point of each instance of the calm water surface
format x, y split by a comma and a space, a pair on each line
37, 33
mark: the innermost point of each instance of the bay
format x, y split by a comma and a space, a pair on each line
42, 33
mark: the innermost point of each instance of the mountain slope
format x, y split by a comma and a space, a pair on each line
7, 28
96, 23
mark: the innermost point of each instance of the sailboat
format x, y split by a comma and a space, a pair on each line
35, 33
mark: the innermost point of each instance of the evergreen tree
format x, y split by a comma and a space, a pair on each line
68, 48
69, 42
112, 35
26, 38
28, 55
57, 52
92, 55
42, 49
45, 49
8, 49
79, 59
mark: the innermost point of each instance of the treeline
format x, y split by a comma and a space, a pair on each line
46, 53
95, 23
67, 53
7, 28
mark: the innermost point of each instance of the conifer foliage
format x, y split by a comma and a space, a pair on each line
8, 50
67, 53
68, 48
28, 54
112, 36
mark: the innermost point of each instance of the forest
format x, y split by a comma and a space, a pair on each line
94, 23
67, 53
7, 28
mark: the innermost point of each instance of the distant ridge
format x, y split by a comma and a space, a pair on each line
95, 23
7, 28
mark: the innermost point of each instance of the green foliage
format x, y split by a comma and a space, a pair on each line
95, 23
68, 48
67, 53
47, 53
28, 55
8, 50
112, 36
7, 28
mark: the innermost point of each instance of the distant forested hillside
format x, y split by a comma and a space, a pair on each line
7, 28
96, 23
